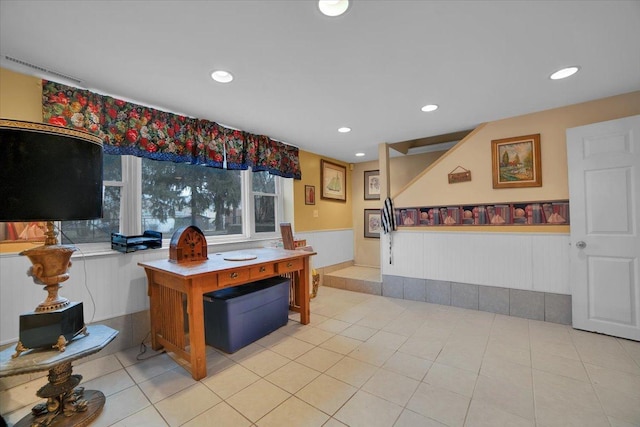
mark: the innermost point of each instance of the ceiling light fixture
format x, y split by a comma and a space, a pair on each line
333, 7
222, 76
429, 107
359, 154
564, 73
344, 129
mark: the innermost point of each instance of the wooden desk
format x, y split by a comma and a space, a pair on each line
170, 284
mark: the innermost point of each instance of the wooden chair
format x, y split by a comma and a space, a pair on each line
287, 243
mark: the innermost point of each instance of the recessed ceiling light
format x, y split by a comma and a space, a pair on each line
344, 129
222, 76
359, 154
430, 107
333, 7
564, 73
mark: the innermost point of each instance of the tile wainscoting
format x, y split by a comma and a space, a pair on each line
534, 305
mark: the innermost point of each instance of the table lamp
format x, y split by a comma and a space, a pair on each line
49, 173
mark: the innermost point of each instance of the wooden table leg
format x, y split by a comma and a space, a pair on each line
195, 310
152, 291
303, 292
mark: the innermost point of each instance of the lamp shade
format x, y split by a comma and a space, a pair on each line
49, 173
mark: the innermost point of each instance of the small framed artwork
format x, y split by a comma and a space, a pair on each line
516, 162
309, 195
372, 223
333, 179
372, 185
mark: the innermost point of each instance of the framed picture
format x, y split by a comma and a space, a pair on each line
516, 162
372, 223
333, 180
309, 195
372, 185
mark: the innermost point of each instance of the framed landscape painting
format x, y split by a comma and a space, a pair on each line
516, 162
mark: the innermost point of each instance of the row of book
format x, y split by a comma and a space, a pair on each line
495, 214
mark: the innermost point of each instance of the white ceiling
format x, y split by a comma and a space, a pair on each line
300, 75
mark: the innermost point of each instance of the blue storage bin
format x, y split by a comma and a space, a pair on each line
235, 317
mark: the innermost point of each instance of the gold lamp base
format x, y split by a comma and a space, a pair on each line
55, 317
50, 264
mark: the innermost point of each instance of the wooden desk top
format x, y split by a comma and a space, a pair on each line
217, 263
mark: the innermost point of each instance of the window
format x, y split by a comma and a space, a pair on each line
176, 195
144, 194
264, 202
100, 230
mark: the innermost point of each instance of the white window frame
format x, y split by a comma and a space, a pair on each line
278, 206
131, 208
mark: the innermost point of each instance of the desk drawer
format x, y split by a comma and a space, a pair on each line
233, 277
267, 270
288, 266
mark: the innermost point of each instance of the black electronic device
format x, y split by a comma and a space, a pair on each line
148, 240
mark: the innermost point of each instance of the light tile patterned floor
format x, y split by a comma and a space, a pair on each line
373, 361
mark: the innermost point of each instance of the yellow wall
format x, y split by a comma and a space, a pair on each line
21, 96
474, 153
331, 215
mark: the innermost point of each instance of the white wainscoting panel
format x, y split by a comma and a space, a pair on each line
332, 246
528, 261
494, 259
407, 257
18, 294
551, 258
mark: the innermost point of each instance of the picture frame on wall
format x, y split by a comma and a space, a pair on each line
372, 185
516, 162
372, 223
333, 181
309, 194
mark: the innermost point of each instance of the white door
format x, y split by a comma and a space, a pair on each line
604, 191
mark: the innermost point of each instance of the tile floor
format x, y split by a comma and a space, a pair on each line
373, 361
358, 272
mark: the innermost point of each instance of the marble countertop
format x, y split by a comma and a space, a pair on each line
43, 359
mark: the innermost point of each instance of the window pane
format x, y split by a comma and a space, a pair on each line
112, 167
265, 213
176, 195
263, 182
98, 230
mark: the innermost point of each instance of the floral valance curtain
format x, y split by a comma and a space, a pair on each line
265, 154
132, 129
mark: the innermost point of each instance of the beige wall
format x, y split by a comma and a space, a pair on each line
474, 153
403, 169
331, 215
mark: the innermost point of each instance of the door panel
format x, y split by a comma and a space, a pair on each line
611, 303
604, 189
615, 218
